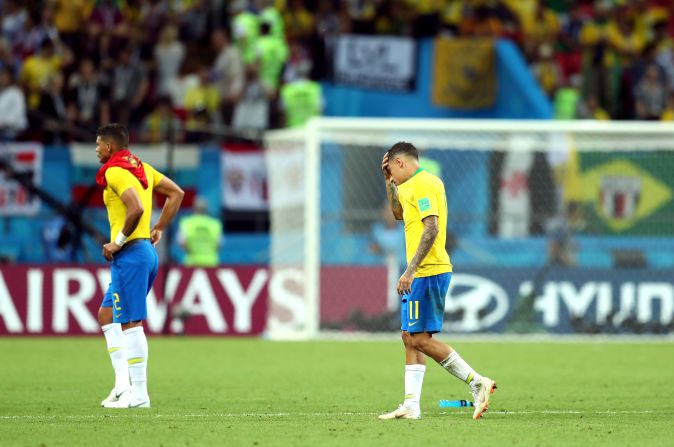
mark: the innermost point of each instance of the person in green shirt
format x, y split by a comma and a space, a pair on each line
245, 29
301, 99
200, 235
272, 53
268, 13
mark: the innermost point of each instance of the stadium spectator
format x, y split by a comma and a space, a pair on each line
161, 124
270, 14
7, 60
426, 15
562, 247
566, 99
626, 43
129, 86
650, 95
664, 52
153, 16
476, 21
14, 16
51, 117
271, 53
87, 97
329, 22
570, 54
34, 32
39, 67
169, 54
301, 98
13, 118
251, 112
201, 103
591, 110
361, 15
106, 18
245, 27
58, 241
228, 72
196, 19
540, 27
392, 18
70, 18
200, 236
298, 60
547, 70
300, 23
664, 43
594, 44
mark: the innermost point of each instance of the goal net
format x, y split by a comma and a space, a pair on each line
560, 227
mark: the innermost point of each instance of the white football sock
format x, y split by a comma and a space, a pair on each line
414, 379
460, 369
137, 353
116, 341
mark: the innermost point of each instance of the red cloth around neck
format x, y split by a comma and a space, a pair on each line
126, 160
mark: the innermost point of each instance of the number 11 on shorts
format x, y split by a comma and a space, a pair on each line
414, 310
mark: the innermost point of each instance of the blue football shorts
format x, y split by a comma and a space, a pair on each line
423, 309
133, 270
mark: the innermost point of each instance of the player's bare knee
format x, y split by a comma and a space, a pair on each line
407, 339
421, 342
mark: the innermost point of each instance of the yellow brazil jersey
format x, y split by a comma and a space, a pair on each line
119, 180
421, 196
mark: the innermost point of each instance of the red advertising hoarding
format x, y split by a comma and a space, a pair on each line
64, 300
227, 300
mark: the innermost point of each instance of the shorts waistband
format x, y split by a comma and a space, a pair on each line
133, 241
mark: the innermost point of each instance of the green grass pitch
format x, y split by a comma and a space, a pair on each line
250, 392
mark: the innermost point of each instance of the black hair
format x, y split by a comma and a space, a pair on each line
114, 133
403, 147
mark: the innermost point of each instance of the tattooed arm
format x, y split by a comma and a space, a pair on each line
427, 238
392, 194
391, 190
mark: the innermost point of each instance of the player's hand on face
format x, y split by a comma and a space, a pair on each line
155, 236
384, 167
405, 283
110, 249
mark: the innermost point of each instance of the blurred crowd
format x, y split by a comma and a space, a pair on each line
190, 68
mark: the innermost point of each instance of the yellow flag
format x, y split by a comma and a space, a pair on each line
464, 73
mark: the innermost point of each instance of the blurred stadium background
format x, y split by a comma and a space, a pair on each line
549, 122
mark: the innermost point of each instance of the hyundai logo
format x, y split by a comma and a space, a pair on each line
481, 302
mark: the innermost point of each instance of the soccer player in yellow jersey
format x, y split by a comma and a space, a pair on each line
129, 184
418, 198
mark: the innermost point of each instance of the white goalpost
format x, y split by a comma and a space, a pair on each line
507, 183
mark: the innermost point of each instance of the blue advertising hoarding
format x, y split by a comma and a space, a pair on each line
561, 301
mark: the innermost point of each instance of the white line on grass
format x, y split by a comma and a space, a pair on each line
507, 338
315, 414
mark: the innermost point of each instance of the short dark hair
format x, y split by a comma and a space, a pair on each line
115, 133
403, 148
